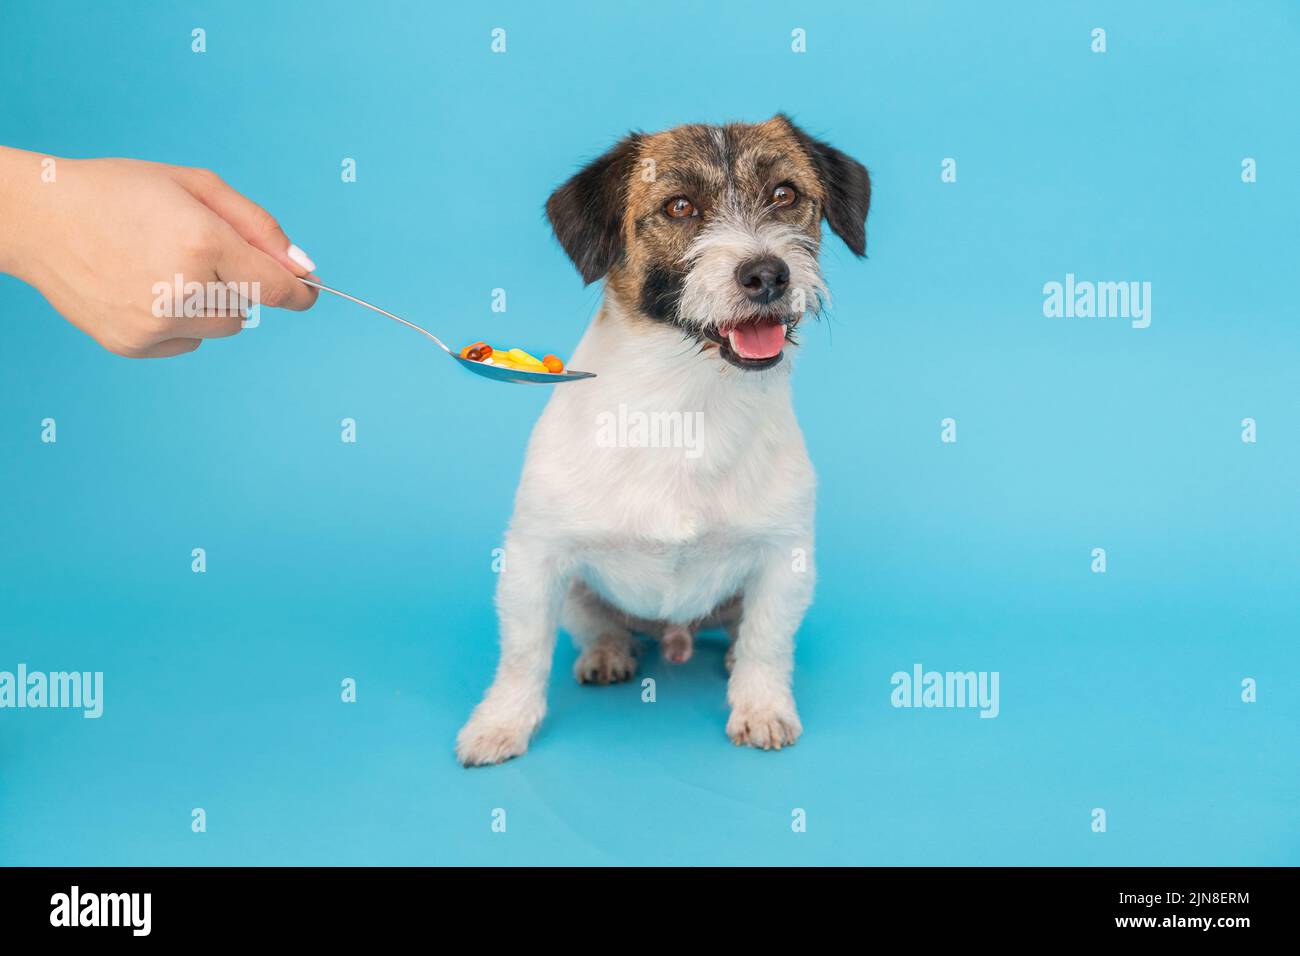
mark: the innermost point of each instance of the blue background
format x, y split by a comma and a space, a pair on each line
328, 560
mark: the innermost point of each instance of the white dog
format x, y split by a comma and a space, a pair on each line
673, 491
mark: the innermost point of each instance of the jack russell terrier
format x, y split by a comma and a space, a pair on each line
707, 238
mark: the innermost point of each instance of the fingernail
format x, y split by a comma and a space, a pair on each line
300, 257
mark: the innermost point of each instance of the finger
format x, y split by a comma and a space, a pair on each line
214, 326
219, 313
169, 347
237, 261
209, 325
257, 226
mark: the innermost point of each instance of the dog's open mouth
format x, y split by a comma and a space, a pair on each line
753, 344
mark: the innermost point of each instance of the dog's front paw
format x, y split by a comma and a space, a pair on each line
607, 661
765, 726
489, 737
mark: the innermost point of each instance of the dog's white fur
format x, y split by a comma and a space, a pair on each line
655, 533
710, 294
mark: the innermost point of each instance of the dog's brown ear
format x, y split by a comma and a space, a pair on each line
587, 211
847, 186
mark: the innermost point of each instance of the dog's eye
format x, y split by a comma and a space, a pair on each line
680, 208
784, 196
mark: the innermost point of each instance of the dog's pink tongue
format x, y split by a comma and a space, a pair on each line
757, 340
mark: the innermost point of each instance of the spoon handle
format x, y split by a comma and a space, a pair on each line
397, 318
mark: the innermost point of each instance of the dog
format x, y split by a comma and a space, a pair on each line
707, 238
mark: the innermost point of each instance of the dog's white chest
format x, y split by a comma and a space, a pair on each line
662, 483
679, 576
667, 539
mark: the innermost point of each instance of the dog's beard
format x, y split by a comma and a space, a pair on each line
714, 308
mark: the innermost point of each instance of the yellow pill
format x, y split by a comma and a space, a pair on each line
523, 358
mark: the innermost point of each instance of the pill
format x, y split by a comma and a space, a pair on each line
526, 360
511, 358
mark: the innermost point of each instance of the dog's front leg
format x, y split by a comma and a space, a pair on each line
762, 703
529, 596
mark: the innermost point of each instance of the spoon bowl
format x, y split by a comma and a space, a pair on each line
501, 373
498, 373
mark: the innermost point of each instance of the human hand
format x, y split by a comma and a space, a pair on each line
104, 238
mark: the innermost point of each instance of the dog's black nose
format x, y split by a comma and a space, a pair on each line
764, 279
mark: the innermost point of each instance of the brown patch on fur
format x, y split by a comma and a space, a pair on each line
709, 165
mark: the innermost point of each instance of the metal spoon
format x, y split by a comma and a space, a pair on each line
498, 373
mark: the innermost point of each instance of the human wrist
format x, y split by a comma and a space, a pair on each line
22, 175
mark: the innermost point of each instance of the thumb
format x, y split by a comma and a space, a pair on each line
238, 261
254, 224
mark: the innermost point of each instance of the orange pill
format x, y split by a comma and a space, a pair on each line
476, 352
553, 364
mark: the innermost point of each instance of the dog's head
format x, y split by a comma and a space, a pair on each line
715, 229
